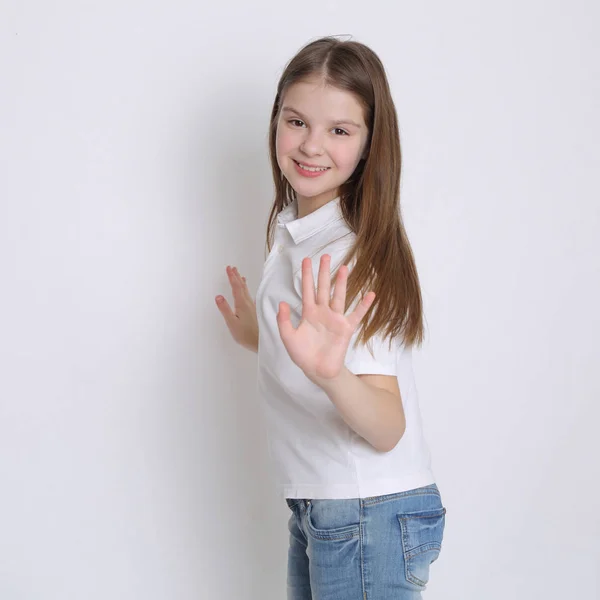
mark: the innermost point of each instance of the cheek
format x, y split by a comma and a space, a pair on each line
284, 141
348, 157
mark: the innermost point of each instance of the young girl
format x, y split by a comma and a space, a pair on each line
334, 367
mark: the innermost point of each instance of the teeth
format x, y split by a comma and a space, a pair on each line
312, 169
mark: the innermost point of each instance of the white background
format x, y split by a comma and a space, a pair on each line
133, 169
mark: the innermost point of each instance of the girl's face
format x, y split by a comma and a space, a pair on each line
321, 137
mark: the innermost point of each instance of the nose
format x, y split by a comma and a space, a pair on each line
312, 144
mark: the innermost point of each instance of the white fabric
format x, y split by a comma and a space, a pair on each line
314, 453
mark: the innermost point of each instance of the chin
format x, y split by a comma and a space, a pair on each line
308, 191
308, 188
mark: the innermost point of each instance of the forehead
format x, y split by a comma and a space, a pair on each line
317, 99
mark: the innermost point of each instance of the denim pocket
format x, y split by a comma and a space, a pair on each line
331, 520
422, 534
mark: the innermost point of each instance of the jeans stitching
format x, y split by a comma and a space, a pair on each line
339, 533
409, 555
370, 501
407, 572
426, 514
362, 559
425, 548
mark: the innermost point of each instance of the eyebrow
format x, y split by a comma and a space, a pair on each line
339, 122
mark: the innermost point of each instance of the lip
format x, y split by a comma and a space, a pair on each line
310, 165
309, 174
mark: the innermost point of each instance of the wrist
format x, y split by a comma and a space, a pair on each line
330, 384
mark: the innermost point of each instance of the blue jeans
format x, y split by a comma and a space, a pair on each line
377, 548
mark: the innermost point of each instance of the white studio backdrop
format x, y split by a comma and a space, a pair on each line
134, 168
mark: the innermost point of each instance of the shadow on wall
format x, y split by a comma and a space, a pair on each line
215, 444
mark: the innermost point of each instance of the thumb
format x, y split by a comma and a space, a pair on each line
225, 310
284, 323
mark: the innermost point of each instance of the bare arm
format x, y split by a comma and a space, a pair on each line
371, 405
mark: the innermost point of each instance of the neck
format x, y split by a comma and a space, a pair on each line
308, 204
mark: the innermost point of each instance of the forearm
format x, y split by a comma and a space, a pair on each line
375, 414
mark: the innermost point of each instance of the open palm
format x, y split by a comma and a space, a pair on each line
319, 344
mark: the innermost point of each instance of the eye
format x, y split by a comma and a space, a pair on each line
293, 121
343, 131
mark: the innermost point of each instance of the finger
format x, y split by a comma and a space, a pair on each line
242, 280
226, 311
237, 287
284, 323
308, 283
243, 285
338, 303
361, 310
246, 290
324, 281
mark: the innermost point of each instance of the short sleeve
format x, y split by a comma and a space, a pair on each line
383, 361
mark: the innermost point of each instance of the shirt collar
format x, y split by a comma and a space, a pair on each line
301, 229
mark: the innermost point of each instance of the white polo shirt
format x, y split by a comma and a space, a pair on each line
314, 453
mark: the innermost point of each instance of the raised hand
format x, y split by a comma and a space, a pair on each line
242, 321
319, 344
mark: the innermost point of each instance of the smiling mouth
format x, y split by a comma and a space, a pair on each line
311, 169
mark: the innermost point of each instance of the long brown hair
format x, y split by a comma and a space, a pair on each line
370, 199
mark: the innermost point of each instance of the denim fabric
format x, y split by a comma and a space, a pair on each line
377, 548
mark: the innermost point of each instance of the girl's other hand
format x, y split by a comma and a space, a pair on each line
242, 321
